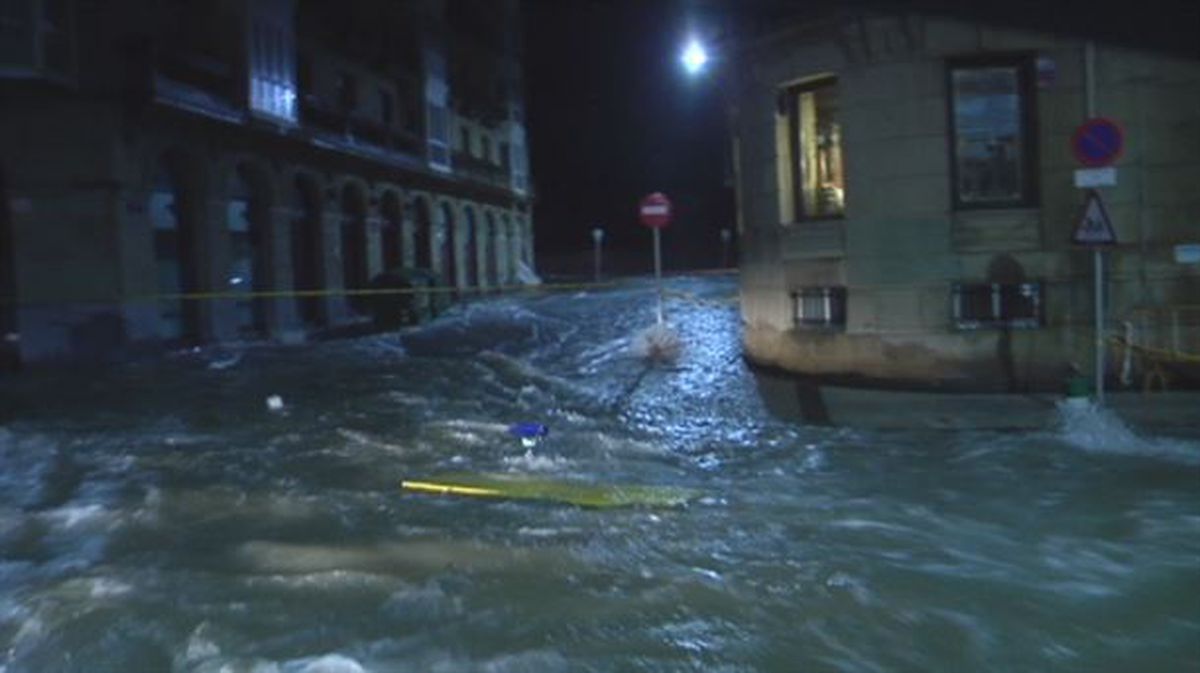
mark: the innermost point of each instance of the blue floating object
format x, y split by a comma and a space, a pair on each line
528, 430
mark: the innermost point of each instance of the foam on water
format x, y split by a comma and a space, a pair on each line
1095, 429
536, 462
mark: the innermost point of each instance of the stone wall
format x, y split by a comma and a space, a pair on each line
902, 244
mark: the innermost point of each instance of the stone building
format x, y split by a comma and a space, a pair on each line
213, 170
907, 198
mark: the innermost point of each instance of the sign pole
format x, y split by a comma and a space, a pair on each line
658, 272
655, 212
1098, 272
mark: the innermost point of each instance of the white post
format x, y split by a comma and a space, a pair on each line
597, 239
658, 273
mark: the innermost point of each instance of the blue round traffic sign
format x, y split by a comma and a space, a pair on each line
1098, 142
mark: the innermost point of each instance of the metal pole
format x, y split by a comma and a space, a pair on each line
1098, 272
658, 273
1089, 72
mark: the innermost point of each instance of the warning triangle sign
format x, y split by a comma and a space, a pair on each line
1094, 227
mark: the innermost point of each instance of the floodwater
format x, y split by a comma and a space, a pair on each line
161, 517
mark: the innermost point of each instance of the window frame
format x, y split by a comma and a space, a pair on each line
790, 111
1024, 63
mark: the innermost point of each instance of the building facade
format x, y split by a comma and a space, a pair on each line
215, 170
907, 202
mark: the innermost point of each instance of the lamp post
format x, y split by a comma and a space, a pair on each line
597, 240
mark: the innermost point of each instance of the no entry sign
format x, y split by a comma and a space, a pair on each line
1098, 142
655, 210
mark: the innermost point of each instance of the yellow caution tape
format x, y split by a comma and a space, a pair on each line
1156, 353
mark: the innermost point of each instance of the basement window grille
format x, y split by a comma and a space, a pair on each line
997, 305
819, 307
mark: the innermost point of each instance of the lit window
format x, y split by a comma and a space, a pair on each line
1001, 305
273, 61
819, 307
809, 134
993, 146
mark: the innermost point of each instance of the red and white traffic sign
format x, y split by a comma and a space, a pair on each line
1094, 227
655, 210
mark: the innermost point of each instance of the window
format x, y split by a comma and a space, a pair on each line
273, 61
464, 139
437, 113
486, 149
1016, 305
992, 143
347, 92
809, 136
385, 107
819, 307
36, 38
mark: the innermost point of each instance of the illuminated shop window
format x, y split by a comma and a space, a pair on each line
812, 181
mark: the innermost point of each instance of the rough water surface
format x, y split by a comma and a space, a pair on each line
164, 517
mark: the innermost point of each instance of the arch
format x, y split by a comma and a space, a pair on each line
514, 245
491, 249
422, 234
174, 203
355, 272
308, 248
391, 233
445, 228
470, 247
500, 234
247, 223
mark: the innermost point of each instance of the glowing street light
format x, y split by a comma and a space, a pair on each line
694, 57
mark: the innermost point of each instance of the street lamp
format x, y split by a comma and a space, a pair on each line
694, 57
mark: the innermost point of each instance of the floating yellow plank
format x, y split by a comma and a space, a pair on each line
524, 487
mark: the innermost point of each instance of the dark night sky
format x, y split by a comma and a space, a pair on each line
611, 116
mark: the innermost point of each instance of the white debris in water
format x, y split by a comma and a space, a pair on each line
275, 403
537, 463
658, 344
